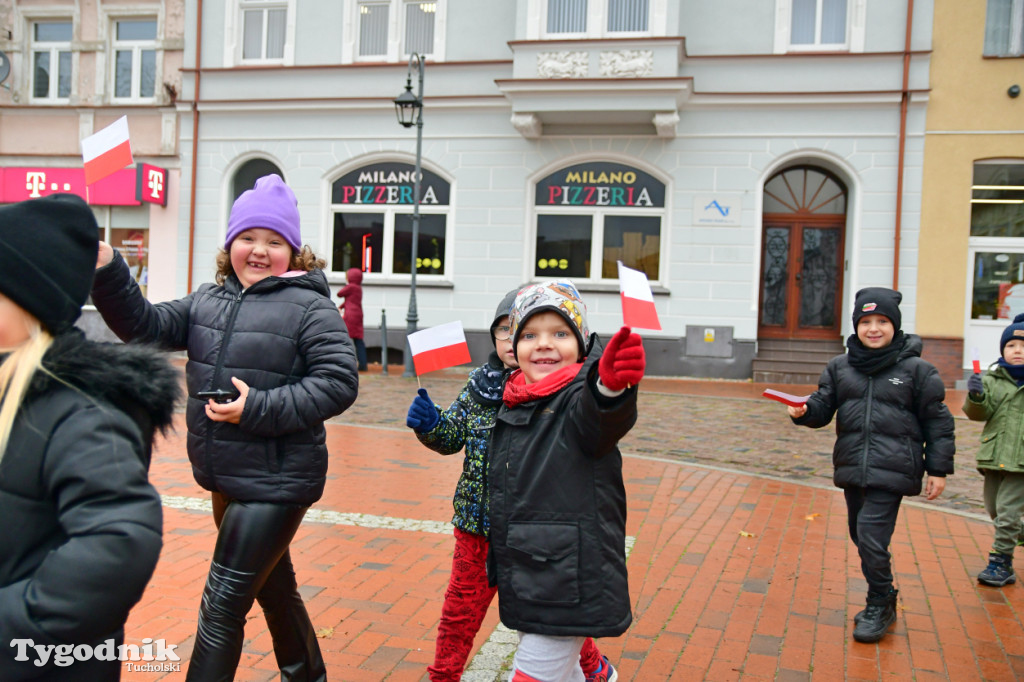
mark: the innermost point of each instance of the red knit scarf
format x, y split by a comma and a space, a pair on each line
517, 391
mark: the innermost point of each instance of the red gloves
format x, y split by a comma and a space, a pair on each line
622, 364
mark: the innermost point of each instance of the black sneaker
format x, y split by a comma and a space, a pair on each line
999, 571
876, 619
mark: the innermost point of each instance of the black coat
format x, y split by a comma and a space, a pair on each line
558, 511
80, 525
285, 339
891, 427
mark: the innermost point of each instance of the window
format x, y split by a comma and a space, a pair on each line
597, 18
997, 225
818, 23
1004, 28
134, 58
126, 228
51, 60
394, 29
373, 221
264, 30
591, 215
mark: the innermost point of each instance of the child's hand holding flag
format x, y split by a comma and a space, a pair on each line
623, 362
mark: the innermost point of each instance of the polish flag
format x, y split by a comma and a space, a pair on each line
107, 151
439, 347
637, 300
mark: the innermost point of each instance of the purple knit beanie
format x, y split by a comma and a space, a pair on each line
270, 204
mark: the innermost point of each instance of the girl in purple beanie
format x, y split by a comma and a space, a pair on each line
269, 360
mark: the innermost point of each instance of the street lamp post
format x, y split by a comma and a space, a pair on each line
409, 109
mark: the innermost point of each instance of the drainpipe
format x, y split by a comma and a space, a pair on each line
904, 101
195, 142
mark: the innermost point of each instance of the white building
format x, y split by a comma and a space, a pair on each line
745, 154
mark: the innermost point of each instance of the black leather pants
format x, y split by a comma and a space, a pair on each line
250, 562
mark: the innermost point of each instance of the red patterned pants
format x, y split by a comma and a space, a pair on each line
465, 605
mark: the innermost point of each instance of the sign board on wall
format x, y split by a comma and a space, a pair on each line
600, 183
389, 183
151, 184
21, 184
717, 209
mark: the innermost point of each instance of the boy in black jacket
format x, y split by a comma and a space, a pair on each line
558, 503
891, 428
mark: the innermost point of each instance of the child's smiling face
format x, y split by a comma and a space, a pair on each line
875, 331
1013, 352
546, 344
258, 253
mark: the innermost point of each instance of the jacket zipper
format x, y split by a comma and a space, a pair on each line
867, 433
217, 370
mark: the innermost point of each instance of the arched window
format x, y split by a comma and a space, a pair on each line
251, 171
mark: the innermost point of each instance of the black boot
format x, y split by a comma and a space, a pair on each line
879, 615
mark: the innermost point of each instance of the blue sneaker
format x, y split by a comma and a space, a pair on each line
999, 571
606, 673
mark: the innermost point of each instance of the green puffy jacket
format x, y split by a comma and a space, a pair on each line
1002, 408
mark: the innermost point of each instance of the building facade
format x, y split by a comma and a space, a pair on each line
971, 279
71, 67
759, 160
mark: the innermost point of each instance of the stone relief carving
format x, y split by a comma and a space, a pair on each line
627, 63
563, 64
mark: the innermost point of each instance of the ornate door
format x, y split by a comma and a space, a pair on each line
802, 254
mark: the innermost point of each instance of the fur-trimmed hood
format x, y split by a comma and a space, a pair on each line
136, 378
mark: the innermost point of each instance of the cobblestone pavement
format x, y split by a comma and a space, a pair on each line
716, 423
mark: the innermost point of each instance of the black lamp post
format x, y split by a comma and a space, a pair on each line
409, 109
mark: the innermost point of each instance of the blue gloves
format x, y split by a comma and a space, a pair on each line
423, 415
975, 387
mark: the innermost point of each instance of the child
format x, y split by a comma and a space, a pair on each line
557, 499
996, 399
268, 333
468, 422
352, 311
891, 428
82, 524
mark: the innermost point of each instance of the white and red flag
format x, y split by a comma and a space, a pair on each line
439, 347
638, 309
107, 151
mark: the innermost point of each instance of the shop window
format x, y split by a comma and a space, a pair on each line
1004, 28
597, 18
134, 49
394, 29
264, 30
591, 215
51, 60
998, 287
373, 221
997, 199
126, 229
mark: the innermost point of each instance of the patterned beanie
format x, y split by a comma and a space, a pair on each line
1014, 331
562, 297
271, 204
881, 301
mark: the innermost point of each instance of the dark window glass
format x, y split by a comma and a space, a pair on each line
635, 240
997, 200
53, 32
250, 172
775, 274
147, 77
358, 241
998, 292
563, 246
41, 81
430, 244
123, 73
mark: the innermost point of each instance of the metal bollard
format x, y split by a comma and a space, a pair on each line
384, 342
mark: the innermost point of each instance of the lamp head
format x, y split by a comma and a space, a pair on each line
407, 105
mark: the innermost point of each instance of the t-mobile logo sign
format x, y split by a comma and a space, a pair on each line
151, 184
156, 183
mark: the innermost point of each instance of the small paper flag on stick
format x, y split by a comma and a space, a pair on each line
976, 361
786, 398
439, 347
638, 309
107, 151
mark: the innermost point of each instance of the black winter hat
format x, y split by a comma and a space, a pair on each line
881, 301
1015, 330
48, 257
504, 309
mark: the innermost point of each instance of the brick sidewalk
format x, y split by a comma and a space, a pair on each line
732, 575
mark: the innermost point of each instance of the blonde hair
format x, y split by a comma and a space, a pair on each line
301, 260
16, 372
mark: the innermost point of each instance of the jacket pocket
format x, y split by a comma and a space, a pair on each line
545, 562
989, 445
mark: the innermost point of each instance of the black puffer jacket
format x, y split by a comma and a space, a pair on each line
558, 511
285, 339
80, 525
891, 427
